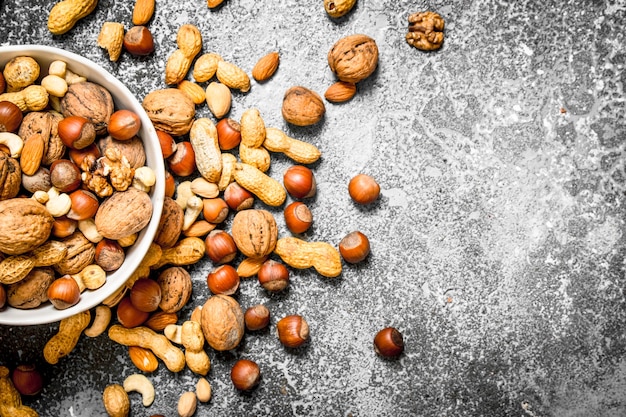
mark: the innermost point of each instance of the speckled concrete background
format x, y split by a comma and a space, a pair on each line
497, 244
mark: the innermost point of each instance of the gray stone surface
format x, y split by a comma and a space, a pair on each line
498, 241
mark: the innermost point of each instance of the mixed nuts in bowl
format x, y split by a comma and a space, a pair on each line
82, 183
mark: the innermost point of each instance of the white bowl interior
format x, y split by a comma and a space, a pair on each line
124, 99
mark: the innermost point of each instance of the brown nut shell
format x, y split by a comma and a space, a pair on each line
302, 106
222, 322
255, 232
176, 289
24, 225
353, 58
124, 213
170, 110
91, 101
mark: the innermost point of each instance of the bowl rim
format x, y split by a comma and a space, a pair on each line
46, 313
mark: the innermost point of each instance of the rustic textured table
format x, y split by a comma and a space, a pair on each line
498, 240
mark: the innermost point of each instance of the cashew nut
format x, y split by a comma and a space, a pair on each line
144, 178
89, 229
59, 204
193, 210
141, 384
100, 322
13, 142
183, 192
73, 78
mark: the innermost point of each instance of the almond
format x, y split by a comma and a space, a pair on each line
266, 66
340, 91
160, 320
218, 98
32, 153
142, 12
143, 359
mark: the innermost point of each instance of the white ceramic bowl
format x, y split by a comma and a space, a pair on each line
124, 99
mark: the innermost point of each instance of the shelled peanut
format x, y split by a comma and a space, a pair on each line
81, 163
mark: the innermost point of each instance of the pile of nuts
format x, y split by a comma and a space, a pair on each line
74, 187
215, 169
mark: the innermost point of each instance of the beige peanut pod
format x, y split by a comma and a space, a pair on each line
189, 40
15, 268
177, 67
205, 67
62, 343
232, 76
228, 168
218, 98
299, 151
50, 253
111, 38
203, 138
143, 11
252, 128
302, 254
64, 15
257, 157
266, 188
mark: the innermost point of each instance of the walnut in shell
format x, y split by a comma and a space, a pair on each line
222, 322
170, 110
353, 58
175, 283
10, 176
302, 106
132, 149
170, 224
24, 225
91, 101
30, 292
124, 213
80, 253
254, 232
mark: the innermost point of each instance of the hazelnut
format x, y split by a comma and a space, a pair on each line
228, 133
167, 143
354, 247
3, 297
170, 184
109, 255
86, 157
76, 132
223, 280
145, 295
298, 217
273, 276
130, 316
124, 124
84, 205
63, 292
299, 181
237, 197
138, 41
64, 175
220, 247
293, 331
389, 342
363, 189
10, 116
183, 161
27, 380
214, 210
245, 374
257, 317
63, 227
